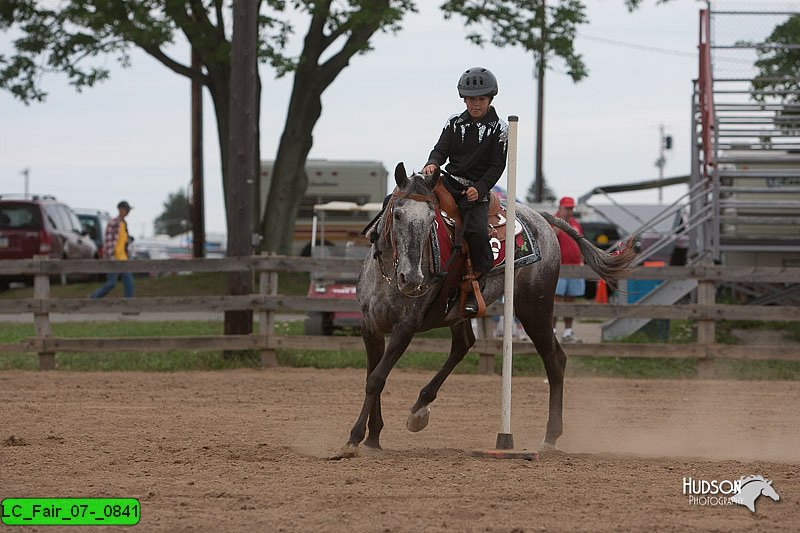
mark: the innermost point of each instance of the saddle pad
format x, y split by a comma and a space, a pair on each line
526, 249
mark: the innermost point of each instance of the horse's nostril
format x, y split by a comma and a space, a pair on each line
402, 277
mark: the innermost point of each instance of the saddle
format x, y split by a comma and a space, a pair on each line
459, 270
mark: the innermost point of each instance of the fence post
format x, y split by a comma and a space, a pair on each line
267, 285
486, 361
706, 327
41, 320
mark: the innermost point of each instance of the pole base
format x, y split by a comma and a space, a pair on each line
504, 449
506, 454
505, 441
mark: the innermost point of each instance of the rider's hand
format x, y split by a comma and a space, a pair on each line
430, 169
471, 193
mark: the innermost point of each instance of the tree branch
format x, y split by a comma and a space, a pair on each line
173, 65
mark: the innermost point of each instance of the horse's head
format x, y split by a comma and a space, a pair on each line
768, 490
409, 219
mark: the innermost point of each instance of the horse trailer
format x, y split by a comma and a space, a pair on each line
359, 182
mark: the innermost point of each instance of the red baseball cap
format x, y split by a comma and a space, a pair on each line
567, 201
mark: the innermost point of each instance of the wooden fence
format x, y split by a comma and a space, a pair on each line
267, 302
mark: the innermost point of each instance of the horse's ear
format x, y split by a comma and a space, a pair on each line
400, 175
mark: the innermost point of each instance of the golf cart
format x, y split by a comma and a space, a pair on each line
328, 241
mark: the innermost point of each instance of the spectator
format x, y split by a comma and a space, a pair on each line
115, 248
568, 288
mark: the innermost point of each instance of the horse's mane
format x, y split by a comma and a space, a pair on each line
745, 480
416, 184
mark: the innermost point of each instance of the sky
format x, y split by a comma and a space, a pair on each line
129, 137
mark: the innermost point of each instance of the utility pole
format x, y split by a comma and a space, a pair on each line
664, 143
26, 172
198, 207
540, 109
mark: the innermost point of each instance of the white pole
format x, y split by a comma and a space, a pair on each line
314, 233
505, 440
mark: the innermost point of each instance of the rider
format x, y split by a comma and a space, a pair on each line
476, 143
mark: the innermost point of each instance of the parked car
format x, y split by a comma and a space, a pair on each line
602, 234
94, 221
40, 225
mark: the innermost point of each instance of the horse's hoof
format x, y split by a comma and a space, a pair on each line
417, 421
545, 446
371, 451
347, 452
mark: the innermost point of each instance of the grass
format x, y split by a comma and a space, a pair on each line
195, 284
524, 365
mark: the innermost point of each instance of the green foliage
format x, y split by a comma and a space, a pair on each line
525, 365
518, 23
779, 70
75, 37
177, 215
196, 284
548, 194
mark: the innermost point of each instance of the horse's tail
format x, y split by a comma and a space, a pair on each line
610, 267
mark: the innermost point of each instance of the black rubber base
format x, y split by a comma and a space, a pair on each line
505, 441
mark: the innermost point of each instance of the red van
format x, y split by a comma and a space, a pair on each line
40, 225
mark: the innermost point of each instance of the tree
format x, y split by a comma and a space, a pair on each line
74, 37
548, 194
548, 31
244, 168
351, 23
778, 67
519, 22
176, 217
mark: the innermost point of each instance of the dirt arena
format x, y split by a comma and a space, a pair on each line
248, 451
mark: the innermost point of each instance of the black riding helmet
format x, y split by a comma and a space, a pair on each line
477, 81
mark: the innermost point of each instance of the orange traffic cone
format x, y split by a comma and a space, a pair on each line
601, 295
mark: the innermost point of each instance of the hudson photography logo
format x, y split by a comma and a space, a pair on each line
743, 491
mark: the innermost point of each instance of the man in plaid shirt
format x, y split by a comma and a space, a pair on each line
115, 248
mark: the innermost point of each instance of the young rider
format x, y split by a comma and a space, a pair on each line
475, 142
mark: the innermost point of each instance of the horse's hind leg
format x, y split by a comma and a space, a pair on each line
463, 339
539, 328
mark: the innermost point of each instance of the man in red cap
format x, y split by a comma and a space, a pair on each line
568, 288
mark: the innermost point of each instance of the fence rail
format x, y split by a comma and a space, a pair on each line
266, 303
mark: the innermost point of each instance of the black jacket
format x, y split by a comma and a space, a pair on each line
476, 149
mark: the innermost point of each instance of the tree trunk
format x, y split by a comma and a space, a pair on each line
289, 178
312, 77
242, 154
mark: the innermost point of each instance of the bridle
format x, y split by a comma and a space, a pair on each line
387, 235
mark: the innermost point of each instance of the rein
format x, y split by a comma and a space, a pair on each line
388, 235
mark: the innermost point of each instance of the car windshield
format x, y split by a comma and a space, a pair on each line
19, 216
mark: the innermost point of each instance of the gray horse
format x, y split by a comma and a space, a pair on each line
398, 294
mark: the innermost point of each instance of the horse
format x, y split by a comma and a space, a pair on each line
396, 291
751, 487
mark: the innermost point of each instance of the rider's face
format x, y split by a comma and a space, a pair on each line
477, 106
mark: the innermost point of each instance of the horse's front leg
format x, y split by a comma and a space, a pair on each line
376, 380
463, 340
375, 344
